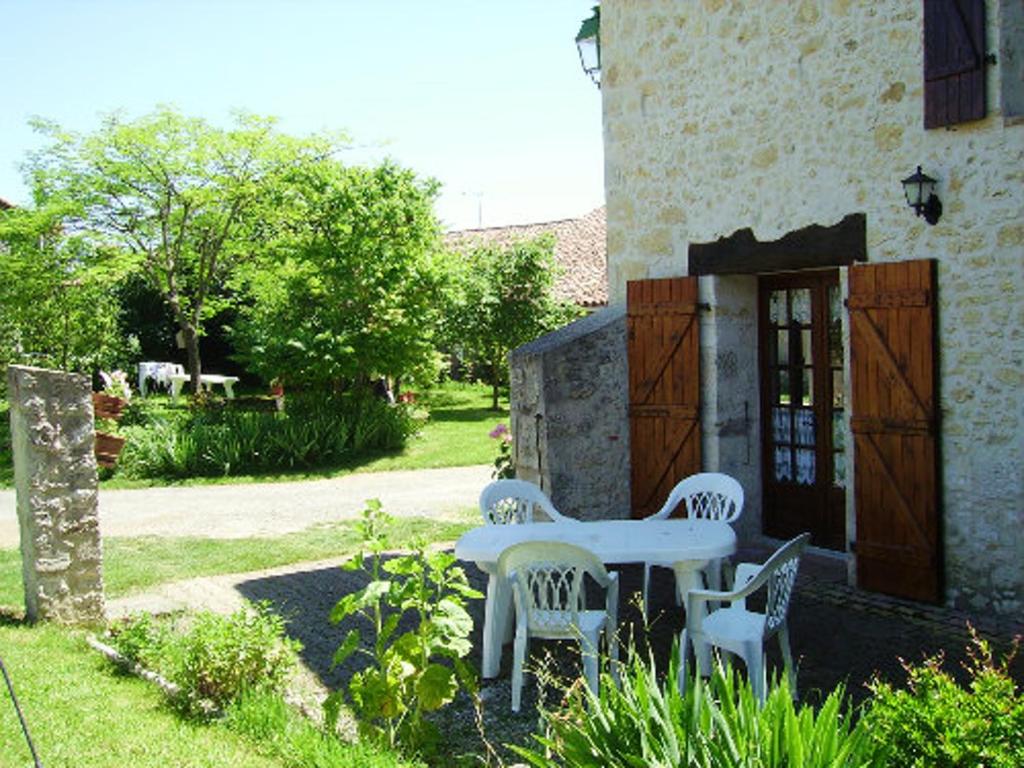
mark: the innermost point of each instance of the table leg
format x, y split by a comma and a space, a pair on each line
687, 578
497, 624
176, 385
229, 390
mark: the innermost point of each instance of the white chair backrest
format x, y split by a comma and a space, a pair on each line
505, 502
707, 495
779, 572
547, 581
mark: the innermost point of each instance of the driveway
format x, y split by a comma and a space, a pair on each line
270, 509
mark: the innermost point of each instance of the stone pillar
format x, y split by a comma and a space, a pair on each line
55, 479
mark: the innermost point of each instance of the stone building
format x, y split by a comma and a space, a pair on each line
579, 253
859, 369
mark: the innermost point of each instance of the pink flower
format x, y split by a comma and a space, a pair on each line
499, 431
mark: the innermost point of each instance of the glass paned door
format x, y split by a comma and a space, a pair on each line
802, 405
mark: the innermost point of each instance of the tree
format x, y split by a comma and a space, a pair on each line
347, 292
504, 299
181, 198
58, 307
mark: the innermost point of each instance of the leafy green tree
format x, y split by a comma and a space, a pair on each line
504, 299
348, 291
57, 302
183, 200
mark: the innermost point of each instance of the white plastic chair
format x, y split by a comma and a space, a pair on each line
735, 629
547, 586
707, 495
505, 502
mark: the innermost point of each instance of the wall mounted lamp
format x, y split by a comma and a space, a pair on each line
920, 191
588, 43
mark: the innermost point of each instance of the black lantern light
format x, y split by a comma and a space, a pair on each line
588, 42
920, 191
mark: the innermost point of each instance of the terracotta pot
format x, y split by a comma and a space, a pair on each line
107, 448
107, 406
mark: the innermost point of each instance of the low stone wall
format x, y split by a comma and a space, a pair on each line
55, 478
569, 415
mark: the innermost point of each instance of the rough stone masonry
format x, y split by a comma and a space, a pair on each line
55, 478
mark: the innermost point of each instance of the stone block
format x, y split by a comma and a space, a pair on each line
55, 480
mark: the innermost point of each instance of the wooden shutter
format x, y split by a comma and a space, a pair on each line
664, 387
954, 61
894, 422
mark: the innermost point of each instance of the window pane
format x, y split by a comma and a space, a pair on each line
777, 308
839, 470
835, 327
838, 431
808, 387
782, 347
801, 305
783, 464
805, 466
782, 388
838, 394
803, 426
806, 352
781, 430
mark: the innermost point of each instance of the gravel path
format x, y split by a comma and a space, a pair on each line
271, 509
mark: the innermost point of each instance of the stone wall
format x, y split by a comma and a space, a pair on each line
55, 478
720, 115
569, 415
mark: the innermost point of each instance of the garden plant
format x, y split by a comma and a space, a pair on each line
412, 673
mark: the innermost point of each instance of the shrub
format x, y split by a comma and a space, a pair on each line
936, 722
222, 657
315, 430
214, 659
648, 722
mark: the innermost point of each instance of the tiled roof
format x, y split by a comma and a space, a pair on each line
580, 251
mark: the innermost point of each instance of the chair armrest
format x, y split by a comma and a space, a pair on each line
749, 579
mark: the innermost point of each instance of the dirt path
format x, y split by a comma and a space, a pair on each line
270, 509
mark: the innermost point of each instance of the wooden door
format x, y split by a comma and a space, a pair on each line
664, 388
895, 424
802, 406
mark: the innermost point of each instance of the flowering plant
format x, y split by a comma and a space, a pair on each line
116, 384
504, 464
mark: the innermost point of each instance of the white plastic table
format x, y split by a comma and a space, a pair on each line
688, 544
206, 380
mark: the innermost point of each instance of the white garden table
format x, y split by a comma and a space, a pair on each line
687, 544
206, 380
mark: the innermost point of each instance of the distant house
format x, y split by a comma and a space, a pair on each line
579, 250
4, 205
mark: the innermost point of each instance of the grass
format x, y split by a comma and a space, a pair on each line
455, 434
79, 714
133, 564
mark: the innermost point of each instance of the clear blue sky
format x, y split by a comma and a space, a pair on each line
486, 96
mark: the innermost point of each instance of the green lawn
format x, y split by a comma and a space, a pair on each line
133, 564
80, 714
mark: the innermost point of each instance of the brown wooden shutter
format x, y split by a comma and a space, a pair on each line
954, 61
664, 387
894, 422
